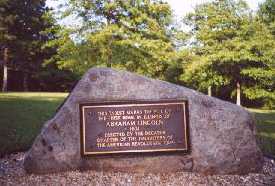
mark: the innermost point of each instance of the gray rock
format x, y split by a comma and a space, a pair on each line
222, 134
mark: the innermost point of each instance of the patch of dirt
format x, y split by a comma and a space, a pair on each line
13, 173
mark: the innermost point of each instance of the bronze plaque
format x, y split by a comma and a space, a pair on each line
129, 127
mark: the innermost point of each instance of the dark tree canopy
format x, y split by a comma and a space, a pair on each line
25, 27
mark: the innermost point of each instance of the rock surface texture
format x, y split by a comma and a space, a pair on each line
222, 134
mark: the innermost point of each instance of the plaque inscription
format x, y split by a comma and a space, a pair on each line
127, 127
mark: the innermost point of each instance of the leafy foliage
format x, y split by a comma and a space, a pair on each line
231, 46
131, 35
267, 15
228, 45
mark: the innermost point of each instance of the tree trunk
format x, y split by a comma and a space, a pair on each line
109, 62
238, 102
209, 91
109, 58
5, 67
109, 51
25, 82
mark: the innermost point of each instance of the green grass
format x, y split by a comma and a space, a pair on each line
22, 116
265, 129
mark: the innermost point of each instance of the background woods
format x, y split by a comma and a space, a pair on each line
25, 28
227, 51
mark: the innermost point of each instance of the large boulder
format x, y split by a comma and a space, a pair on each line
222, 134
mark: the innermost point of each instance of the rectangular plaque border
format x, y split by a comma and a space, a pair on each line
112, 103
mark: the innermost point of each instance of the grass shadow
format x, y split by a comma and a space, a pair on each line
21, 119
267, 144
265, 130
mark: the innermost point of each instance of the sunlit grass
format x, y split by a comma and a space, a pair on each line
51, 96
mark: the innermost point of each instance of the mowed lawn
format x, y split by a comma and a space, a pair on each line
23, 114
265, 129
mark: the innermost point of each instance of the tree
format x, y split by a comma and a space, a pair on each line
22, 26
5, 71
267, 15
131, 35
233, 47
7, 21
